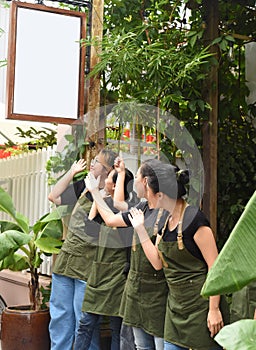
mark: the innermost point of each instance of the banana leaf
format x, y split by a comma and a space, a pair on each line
12, 240
235, 266
240, 335
6, 205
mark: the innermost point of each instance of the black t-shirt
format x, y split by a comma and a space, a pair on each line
141, 205
72, 193
193, 219
93, 226
150, 217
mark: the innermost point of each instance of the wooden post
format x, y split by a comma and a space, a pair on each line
92, 88
210, 127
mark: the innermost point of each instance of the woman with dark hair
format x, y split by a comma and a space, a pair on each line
144, 299
107, 279
186, 250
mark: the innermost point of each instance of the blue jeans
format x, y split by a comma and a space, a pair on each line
171, 346
87, 324
67, 295
145, 341
126, 338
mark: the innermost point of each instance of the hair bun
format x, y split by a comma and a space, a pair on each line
182, 176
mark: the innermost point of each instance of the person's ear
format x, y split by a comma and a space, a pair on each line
160, 195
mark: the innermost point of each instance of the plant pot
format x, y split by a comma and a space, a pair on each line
23, 328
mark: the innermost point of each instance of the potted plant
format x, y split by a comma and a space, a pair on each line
22, 247
234, 269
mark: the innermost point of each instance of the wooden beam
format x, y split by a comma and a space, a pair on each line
92, 88
210, 128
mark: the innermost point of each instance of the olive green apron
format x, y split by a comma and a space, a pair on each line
144, 300
77, 252
107, 279
187, 310
243, 303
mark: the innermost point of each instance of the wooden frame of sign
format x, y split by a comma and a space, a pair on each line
45, 64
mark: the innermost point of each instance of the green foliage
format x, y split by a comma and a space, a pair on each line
22, 245
61, 162
45, 293
234, 267
236, 143
35, 139
240, 335
39, 138
154, 52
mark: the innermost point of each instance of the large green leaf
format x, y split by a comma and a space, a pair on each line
57, 214
48, 245
8, 225
240, 335
235, 266
53, 229
12, 240
52, 221
14, 262
7, 206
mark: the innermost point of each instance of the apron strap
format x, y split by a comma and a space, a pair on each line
180, 235
159, 214
158, 239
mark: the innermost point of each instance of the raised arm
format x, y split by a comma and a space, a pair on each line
55, 195
110, 219
205, 240
151, 251
119, 200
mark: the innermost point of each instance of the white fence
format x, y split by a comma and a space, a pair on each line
24, 178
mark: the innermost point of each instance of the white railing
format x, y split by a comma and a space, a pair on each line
24, 178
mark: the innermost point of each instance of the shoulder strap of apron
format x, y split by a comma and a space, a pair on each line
180, 235
159, 237
159, 214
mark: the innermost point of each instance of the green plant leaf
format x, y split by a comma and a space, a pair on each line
240, 335
7, 206
56, 214
53, 229
8, 225
14, 262
48, 245
12, 240
235, 266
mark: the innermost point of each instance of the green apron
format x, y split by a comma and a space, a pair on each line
77, 252
187, 310
243, 303
144, 300
107, 279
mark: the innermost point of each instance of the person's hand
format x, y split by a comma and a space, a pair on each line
78, 166
119, 165
214, 321
136, 217
91, 182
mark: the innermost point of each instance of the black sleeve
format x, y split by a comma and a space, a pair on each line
140, 205
72, 193
194, 219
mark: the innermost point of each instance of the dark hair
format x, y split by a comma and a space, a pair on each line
128, 182
109, 157
166, 178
